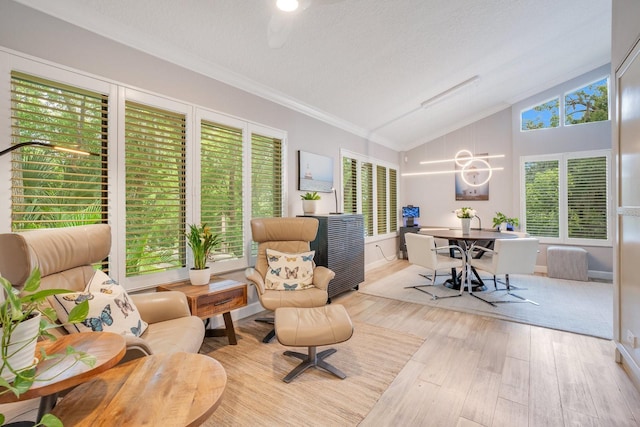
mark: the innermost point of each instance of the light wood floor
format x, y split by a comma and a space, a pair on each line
479, 371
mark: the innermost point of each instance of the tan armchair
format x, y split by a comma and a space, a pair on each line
289, 235
65, 257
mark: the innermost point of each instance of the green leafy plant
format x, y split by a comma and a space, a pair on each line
19, 307
310, 196
201, 241
500, 218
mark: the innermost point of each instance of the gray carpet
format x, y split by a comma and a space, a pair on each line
581, 307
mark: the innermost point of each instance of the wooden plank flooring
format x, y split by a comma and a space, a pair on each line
479, 371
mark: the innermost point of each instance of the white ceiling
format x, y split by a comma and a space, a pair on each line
361, 64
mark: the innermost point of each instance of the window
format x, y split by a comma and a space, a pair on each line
542, 116
50, 188
158, 165
587, 104
155, 189
222, 186
566, 197
370, 188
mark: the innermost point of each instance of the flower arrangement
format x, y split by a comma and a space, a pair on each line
201, 241
465, 212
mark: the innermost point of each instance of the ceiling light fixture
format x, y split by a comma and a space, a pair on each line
442, 95
432, 162
451, 171
287, 5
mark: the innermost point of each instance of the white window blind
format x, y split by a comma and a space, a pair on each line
366, 180
221, 177
51, 188
155, 189
266, 176
587, 197
393, 200
542, 198
381, 197
350, 185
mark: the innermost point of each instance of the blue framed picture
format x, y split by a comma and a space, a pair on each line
315, 172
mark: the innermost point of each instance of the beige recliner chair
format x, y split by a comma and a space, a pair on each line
289, 235
65, 257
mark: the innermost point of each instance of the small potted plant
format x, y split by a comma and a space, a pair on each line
309, 202
201, 241
503, 222
465, 214
24, 319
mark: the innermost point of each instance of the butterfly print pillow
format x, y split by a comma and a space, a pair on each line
289, 272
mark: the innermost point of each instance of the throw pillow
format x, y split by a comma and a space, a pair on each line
110, 308
289, 272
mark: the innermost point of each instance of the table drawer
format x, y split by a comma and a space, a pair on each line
221, 302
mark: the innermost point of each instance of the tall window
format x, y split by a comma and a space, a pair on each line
221, 186
370, 188
266, 176
155, 189
566, 197
51, 188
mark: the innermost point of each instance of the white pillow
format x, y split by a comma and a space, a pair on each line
289, 272
110, 308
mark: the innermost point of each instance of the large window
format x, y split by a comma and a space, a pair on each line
52, 188
158, 165
370, 188
566, 197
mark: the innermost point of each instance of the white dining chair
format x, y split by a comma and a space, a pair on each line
510, 256
422, 251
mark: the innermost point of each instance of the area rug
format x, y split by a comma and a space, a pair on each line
256, 395
581, 307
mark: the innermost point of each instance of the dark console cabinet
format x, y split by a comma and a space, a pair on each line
339, 246
403, 241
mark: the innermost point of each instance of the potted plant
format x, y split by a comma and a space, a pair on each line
24, 319
201, 241
465, 214
309, 201
501, 219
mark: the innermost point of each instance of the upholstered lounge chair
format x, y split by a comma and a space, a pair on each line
288, 235
65, 257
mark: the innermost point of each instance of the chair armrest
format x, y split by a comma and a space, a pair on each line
322, 276
254, 277
482, 248
157, 307
455, 247
136, 347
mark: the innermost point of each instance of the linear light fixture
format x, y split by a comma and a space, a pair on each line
442, 95
46, 144
449, 171
287, 5
493, 156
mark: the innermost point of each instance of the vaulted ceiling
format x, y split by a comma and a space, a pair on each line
367, 65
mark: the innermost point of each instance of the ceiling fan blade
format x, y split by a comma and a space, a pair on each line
278, 30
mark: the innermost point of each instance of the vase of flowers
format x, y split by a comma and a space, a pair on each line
465, 214
201, 241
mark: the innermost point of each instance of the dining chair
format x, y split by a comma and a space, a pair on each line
510, 256
422, 251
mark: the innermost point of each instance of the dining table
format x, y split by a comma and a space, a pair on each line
468, 241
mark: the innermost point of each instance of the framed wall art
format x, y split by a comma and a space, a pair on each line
472, 183
315, 172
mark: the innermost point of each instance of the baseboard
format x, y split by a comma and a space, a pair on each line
629, 364
375, 264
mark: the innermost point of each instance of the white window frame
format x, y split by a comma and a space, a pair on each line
375, 162
562, 159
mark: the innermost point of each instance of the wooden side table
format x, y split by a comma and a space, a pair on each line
177, 389
220, 296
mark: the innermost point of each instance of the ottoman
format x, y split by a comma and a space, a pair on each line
567, 262
312, 327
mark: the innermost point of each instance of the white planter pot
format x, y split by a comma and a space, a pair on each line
200, 277
466, 225
309, 206
21, 351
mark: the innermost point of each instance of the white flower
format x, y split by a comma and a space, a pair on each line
465, 212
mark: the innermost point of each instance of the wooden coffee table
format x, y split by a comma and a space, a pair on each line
220, 296
179, 389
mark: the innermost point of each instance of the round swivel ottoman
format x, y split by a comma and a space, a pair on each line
312, 327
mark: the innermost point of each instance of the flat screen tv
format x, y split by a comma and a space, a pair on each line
410, 211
